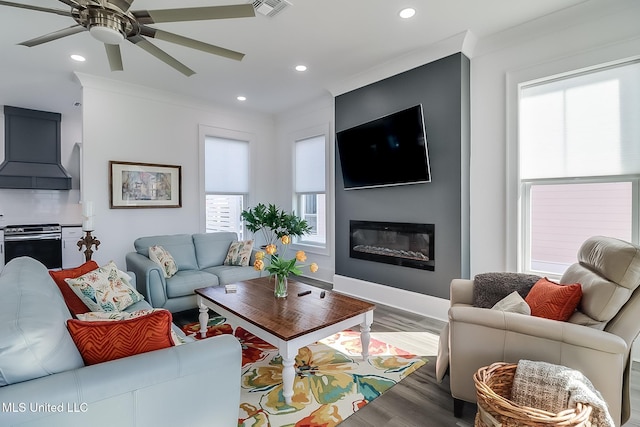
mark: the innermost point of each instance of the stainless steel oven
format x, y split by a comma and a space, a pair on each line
40, 241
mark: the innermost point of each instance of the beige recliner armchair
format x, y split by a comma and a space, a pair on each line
596, 340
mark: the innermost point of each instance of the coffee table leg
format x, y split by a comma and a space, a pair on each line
365, 337
288, 372
203, 317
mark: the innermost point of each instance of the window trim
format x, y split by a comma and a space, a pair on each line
311, 132
515, 80
205, 131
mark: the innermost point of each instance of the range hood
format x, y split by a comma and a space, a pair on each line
32, 151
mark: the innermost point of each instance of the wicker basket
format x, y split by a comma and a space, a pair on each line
493, 388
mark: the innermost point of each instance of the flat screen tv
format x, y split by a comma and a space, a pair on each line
391, 150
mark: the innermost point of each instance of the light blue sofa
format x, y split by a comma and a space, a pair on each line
199, 258
43, 381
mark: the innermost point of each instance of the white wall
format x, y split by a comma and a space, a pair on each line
130, 123
295, 124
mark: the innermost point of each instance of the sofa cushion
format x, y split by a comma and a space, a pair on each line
34, 340
609, 271
553, 301
239, 253
163, 258
74, 303
183, 283
211, 248
180, 246
105, 289
101, 341
231, 273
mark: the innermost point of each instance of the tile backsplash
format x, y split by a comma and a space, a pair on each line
40, 207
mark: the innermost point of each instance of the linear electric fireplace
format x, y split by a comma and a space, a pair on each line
398, 243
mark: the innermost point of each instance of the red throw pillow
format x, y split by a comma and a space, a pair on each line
101, 341
75, 304
553, 301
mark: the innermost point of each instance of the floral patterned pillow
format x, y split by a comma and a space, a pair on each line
105, 289
163, 258
239, 253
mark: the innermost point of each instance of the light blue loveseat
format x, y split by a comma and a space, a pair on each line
43, 381
199, 258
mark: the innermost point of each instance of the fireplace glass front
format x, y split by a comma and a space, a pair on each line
405, 244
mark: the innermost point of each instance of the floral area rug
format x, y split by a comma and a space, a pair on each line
332, 380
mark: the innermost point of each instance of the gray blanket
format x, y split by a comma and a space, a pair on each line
555, 388
489, 288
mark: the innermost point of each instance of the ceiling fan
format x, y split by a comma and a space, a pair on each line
111, 22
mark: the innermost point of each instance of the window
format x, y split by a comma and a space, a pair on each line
579, 163
226, 184
310, 187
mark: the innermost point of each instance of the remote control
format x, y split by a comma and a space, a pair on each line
301, 294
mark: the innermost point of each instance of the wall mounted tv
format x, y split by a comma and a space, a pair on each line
391, 150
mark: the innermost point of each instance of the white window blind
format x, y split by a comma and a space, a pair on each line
310, 165
582, 125
226, 165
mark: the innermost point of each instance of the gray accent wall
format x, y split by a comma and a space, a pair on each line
442, 87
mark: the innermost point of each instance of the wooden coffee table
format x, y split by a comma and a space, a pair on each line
288, 323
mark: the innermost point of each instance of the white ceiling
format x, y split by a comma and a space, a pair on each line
336, 39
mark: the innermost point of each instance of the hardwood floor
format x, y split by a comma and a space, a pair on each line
419, 400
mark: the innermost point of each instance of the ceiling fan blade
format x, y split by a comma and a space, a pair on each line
194, 13
38, 8
71, 3
187, 42
161, 55
123, 5
74, 29
114, 56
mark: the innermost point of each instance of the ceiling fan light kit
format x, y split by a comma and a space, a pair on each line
111, 22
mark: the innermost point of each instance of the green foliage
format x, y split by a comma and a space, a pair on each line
274, 222
283, 266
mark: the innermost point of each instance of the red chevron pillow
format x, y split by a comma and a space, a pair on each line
553, 301
101, 341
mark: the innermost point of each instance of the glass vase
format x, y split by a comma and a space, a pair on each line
280, 285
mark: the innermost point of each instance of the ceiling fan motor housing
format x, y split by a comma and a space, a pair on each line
107, 26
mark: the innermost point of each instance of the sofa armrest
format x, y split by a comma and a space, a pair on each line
479, 337
150, 280
461, 292
149, 389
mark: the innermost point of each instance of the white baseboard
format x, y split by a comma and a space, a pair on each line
414, 302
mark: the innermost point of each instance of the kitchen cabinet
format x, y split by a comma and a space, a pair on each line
71, 255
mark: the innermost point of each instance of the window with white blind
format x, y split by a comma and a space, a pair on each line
579, 163
310, 187
226, 183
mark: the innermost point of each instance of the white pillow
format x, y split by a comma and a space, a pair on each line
163, 258
513, 303
105, 289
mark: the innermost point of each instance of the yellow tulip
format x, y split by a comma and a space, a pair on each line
313, 267
271, 249
259, 255
258, 265
301, 256
285, 240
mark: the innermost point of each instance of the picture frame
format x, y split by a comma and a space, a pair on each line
144, 185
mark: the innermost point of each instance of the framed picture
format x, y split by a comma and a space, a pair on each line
144, 185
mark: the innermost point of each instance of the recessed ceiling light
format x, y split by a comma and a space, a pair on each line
407, 13
78, 58
241, 98
301, 68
